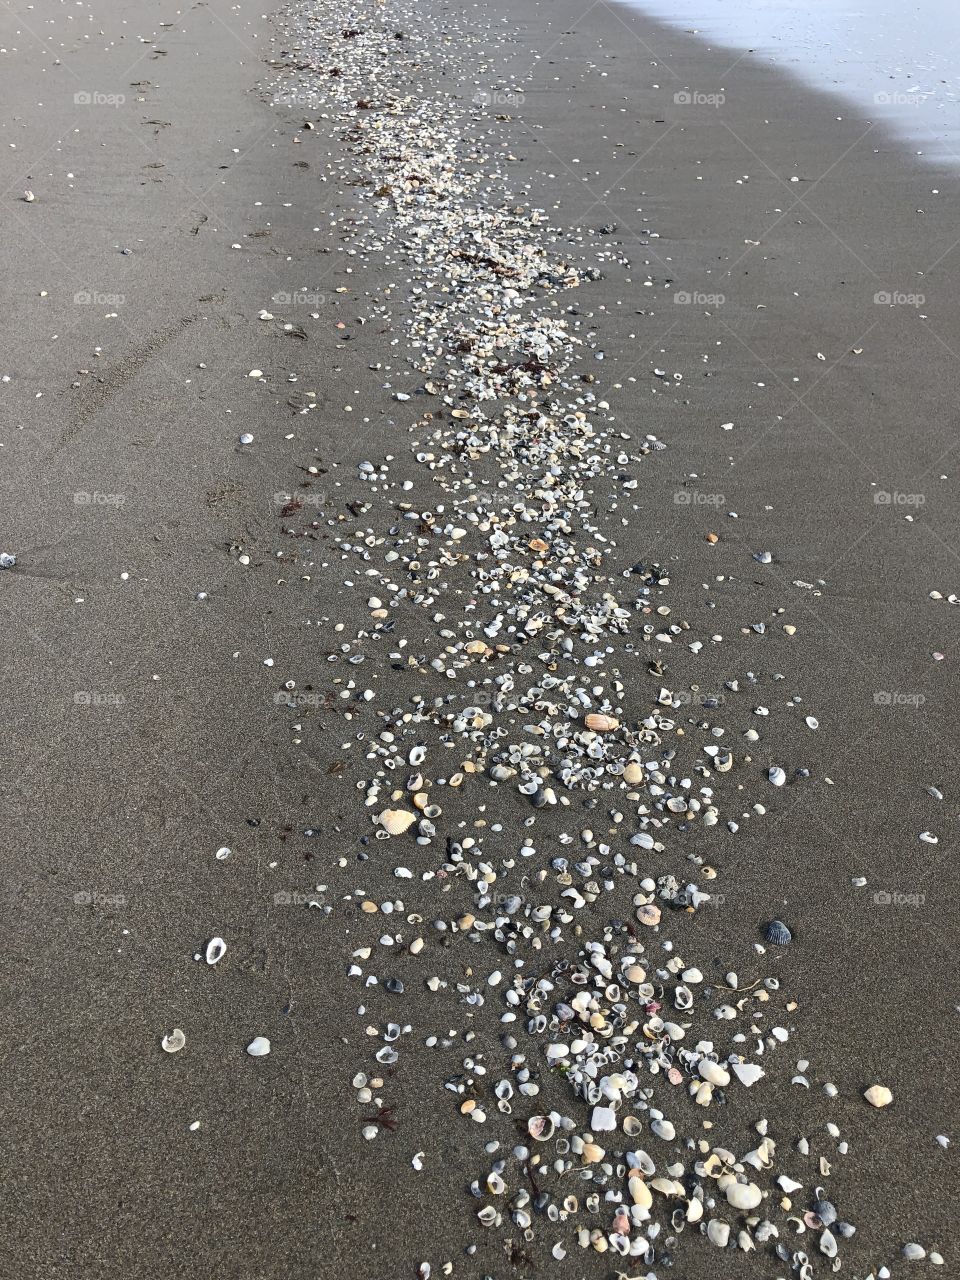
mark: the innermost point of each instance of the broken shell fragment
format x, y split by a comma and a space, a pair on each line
173, 1042
878, 1095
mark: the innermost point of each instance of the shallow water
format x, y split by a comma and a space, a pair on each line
898, 64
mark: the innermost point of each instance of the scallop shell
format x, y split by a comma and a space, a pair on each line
778, 933
396, 821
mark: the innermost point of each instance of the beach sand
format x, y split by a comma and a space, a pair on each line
143, 728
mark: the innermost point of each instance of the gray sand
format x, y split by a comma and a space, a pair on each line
117, 803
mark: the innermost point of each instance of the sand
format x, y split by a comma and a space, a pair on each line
117, 802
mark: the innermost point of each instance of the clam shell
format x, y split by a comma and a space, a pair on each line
778, 933
258, 1047
718, 1232
744, 1195
540, 1128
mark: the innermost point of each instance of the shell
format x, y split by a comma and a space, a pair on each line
649, 914
778, 933
396, 821
633, 773
718, 1232
713, 1072
215, 950
878, 1095
173, 1042
744, 1195
258, 1047
540, 1128
601, 723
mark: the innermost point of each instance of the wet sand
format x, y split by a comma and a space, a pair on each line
117, 802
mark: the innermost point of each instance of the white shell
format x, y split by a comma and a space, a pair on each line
215, 950
718, 1232
258, 1047
747, 1073
396, 821
173, 1042
744, 1195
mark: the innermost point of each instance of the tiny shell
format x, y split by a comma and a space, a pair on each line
173, 1042
258, 1047
649, 914
776, 775
215, 950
